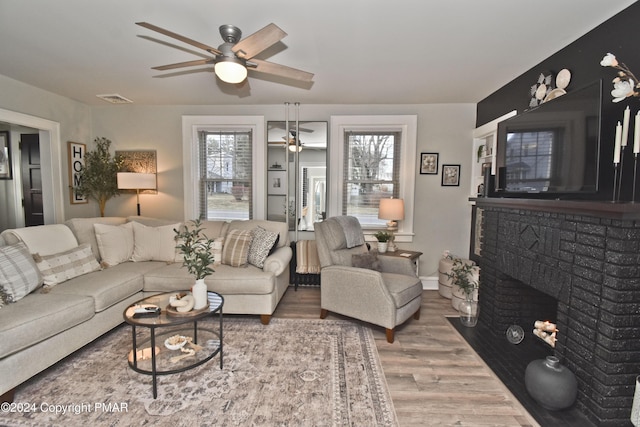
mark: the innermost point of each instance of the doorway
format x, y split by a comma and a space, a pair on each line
50, 170
30, 169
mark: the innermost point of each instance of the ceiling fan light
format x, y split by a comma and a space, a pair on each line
230, 70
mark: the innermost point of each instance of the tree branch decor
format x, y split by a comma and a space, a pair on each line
98, 178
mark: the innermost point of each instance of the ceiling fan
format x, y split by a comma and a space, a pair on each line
233, 57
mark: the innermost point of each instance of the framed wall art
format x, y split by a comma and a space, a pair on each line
77, 152
429, 163
450, 175
276, 183
6, 171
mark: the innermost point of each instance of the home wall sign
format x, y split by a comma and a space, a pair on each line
77, 152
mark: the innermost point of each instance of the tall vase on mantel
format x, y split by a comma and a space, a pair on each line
199, 291
469, 310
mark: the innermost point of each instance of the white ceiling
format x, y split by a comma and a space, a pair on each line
361, 51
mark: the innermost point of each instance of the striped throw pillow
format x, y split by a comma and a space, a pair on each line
18, 273
235, 251
66, 265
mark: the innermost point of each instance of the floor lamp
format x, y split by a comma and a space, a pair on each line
393, 211
136, 181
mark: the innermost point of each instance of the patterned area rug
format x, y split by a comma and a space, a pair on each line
288, 373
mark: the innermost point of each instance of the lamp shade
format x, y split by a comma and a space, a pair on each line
391, 209
230, 70
136, 181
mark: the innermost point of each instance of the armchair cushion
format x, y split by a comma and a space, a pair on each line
367, 260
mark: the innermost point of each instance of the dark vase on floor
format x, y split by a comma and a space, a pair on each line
551, 384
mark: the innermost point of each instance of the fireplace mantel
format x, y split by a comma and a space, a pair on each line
600, 209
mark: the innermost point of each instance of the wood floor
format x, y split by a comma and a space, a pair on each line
434, 377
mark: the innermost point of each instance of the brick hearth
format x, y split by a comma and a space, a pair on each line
583, 257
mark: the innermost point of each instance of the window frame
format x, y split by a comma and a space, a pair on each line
407, 126
191, 126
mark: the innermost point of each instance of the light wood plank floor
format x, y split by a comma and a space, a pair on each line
434, 376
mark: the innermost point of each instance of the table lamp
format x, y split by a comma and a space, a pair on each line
136, 181
393, 211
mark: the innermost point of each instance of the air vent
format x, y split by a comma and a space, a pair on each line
114, 98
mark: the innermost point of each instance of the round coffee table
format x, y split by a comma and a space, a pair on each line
204, 341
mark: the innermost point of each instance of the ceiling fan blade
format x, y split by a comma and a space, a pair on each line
184, 64
179, 37
281, 70
252, 45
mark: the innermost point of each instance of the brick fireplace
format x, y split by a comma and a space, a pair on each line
578, 264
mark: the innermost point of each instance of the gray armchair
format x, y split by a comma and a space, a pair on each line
385, 298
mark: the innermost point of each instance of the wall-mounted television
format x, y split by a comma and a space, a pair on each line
553, 150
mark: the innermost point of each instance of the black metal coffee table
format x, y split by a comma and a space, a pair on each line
205, 342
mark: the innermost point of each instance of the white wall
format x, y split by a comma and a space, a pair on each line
442, 213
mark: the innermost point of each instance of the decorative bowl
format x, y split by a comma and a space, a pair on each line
175, 342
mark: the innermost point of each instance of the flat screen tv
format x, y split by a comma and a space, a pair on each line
552, 151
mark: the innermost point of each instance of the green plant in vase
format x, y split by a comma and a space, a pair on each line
196, 249
463, 275
382, 236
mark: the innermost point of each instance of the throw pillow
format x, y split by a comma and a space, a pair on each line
216, 250
66, 265
18, 273
115, 243
235, 251
261, 245
154, 243
367, 260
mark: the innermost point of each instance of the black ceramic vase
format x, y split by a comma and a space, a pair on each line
551, 384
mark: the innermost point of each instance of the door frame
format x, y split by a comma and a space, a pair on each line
51, 158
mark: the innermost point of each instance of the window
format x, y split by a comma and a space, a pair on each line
372, 172
219, 158
529, 159
376, 156
225, 175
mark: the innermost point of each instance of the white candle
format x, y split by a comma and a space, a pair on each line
625, 127
636, 134
616, 147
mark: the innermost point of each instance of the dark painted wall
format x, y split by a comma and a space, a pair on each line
619, 35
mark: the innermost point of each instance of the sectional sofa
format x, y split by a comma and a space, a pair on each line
53, 321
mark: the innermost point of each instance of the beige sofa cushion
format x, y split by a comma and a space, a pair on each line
226, 280
109, 286
40, 316
83, 229
154, 243
115, 243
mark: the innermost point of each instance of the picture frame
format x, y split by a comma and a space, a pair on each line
429, 163
6, 170
76, 152
277, 183
450, 175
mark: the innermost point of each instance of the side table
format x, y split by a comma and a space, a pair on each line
413, 256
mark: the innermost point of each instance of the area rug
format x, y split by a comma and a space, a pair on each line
288, 373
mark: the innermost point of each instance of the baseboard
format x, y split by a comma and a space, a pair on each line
429, 283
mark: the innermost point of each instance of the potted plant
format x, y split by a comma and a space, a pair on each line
98, 177
196, 248
463, 274
383, 238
